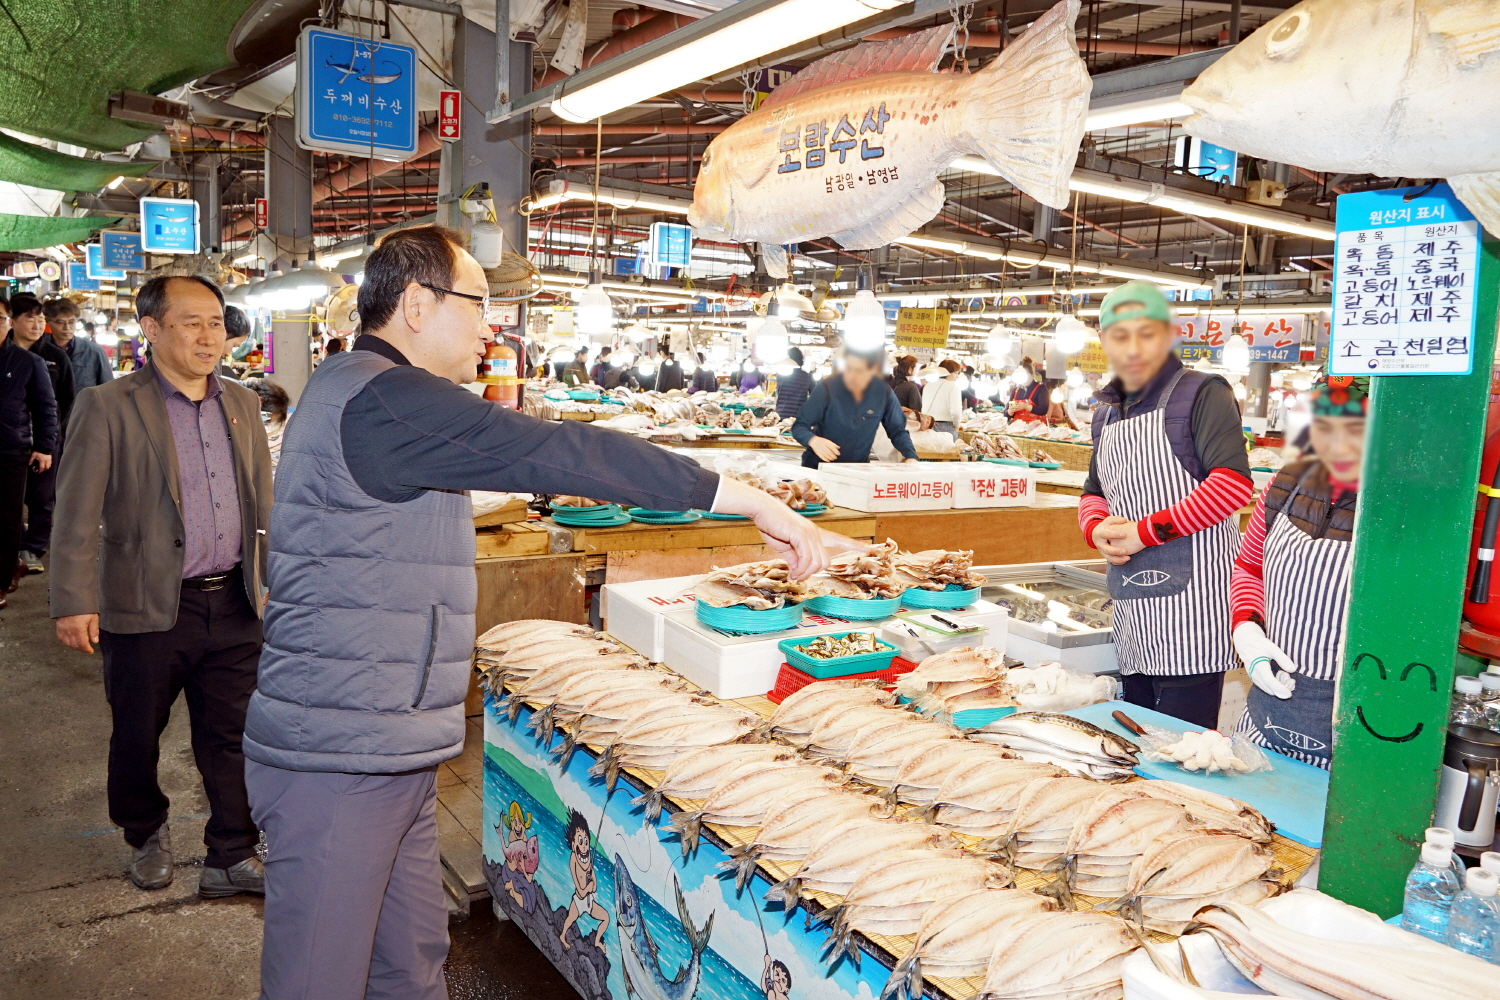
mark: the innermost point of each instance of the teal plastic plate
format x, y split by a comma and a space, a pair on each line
950, 599
1045, 465
813, 510
614, 521
741, 619
1010, 461
849, 607
663, 516
724, 517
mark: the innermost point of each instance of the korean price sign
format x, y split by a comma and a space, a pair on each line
1091, 358
355, 95
1404, 284
78, 278
922, 328
1270, 338
93, 265
121, 251
169, 225
671, 245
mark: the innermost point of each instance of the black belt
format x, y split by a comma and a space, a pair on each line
214, 581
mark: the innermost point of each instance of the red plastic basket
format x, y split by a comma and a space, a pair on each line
792, 680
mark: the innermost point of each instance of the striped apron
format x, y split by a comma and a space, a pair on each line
1307, 594
1171, 601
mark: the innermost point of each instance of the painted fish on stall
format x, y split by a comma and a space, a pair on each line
1397, 88
643, 975
851, 147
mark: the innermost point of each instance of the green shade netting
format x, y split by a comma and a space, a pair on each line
61, 59
31, 232
23, 163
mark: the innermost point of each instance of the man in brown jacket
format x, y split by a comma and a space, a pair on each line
158, 553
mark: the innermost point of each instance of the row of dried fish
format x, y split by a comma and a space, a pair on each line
935, 569
798, 494
957, 680
759, 586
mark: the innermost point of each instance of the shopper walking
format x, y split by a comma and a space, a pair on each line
1168, 474
1290, 589
29, 330
942, 399
793, 388
704, 379
370, 631
164, 498
601, 367
90, 365
28, 437
839, 419
908, 393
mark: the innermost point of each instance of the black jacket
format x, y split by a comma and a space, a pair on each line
60, 371
28, 409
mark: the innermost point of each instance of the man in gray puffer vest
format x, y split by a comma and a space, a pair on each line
370, 623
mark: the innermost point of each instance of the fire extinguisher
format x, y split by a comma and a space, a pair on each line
501, 376
1482, 608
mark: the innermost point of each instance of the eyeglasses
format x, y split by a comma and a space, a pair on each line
483, 300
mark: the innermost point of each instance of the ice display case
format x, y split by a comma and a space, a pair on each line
1058, 611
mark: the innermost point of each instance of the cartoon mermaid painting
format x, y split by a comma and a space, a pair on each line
521, 858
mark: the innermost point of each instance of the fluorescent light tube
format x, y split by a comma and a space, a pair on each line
740, 38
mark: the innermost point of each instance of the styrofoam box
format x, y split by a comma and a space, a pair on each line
633, 612
736, 666
1096, 659
985, 484
878, 488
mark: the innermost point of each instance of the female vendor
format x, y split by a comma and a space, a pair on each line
1290, 587
1030, 397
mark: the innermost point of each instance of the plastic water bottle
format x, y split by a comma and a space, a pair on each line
1490, 861
1474, 922
1430, 889
1489, 697
1444, 837
1466, 708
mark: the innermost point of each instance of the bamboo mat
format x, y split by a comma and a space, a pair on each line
1293, 859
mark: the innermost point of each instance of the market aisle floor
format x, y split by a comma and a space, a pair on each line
72, 927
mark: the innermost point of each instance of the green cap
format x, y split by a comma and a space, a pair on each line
1134, 300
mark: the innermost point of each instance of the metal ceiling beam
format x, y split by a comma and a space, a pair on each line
1179, 30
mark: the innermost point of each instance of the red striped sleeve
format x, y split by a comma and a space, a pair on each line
1216, 498
1247, 590
1092, 509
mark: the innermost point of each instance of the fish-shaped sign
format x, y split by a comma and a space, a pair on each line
1397, 88
851, 147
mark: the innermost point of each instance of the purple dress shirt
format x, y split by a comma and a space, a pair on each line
205, 469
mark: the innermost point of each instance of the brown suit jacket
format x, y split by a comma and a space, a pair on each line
117, 536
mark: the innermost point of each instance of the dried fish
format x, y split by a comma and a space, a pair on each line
1059, 955
891, 897
759, 586
655, 741
1114, 829
790, 828
577, 690
1044, 813
958, 934
924, 768
800, 712
1069, 743
1212, 811
958, 679
744, 800
860, 576
695, 775
503, 636
935, 569
833, 733
980, 798
843, 853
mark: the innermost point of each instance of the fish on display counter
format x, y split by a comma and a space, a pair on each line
1396, 88
851, 147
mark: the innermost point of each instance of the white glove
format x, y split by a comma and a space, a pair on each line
1262, 657
1207, 751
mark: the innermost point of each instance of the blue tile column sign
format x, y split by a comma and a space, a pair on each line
121, 251
356, 95
169, 225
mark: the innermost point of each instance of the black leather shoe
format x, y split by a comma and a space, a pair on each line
151, 868
248, 876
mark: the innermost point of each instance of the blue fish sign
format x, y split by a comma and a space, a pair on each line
121, 251
356, 95
169, 225
94, 267
78, 278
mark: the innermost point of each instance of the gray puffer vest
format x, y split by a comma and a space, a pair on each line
369, 632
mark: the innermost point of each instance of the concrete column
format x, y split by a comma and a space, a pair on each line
206, 192
1258, 388
289, 173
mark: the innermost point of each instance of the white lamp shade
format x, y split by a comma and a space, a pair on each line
1071, 335
595, 313
864, 322
771, 341
1236, 354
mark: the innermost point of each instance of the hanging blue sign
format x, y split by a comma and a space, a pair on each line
671, 245
121, 251
93, 265
1406, 267
169, 225
356, 95
78, 278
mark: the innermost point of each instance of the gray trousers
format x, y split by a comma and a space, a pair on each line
354, 896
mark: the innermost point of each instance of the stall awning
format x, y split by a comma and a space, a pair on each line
25, 163
59, 62
29, 232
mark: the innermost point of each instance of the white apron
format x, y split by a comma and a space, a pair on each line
1171, 601
1307, 596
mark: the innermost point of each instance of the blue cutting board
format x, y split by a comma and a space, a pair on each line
1292, 795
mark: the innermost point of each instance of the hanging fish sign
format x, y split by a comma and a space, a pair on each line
851, 147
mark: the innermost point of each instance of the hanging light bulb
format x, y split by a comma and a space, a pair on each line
787, 303
594, 314
1000, 341
646, 367
864, 322
1070, 334
1075, 377
771, 341
1236, 354
313, 283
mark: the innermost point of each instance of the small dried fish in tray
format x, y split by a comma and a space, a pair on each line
832, 647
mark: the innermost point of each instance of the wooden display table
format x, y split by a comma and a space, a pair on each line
1047, 531
749, 441
1066, 481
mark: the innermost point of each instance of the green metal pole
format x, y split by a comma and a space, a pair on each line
1411, 549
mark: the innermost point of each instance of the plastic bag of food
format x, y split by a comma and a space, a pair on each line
1207, 751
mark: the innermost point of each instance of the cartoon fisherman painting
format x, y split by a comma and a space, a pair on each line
585, 883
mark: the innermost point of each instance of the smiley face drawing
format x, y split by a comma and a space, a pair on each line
1369, 659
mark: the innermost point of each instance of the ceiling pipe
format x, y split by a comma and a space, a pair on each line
993, 40
586, 129
589, 161
190, 132
648, 30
